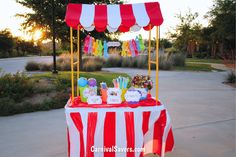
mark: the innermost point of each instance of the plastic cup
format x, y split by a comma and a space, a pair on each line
82, 96
104, 95
123, 91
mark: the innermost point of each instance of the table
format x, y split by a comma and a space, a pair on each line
118, 130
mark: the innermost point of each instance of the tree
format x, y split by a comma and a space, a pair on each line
26, 47
165, 43
187, 33
222, 24
6, 41
14, 46
41, 18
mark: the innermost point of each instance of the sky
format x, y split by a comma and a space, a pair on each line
9, 8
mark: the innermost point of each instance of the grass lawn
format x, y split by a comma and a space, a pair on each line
203, 60
195, 67
99, 76
41, 92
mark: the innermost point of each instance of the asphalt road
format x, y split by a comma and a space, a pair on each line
13, 65
201, 107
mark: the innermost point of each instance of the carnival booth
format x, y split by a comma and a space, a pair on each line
121, 120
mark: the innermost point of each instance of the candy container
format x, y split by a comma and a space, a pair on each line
142, 84
82, 82
83, 86
92, 83
104, 91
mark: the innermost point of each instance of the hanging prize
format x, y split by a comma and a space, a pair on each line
86, 43
141, 43
105, 49
131, 49
135, 47
137, 43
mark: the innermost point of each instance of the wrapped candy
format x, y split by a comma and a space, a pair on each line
142, 84
141, 81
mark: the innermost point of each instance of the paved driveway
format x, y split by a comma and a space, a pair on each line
201, 107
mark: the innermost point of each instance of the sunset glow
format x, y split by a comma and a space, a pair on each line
37, 35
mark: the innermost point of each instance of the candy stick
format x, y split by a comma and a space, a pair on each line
113, 82
117, 81
121, 82
126, 82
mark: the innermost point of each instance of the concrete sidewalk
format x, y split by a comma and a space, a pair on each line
201, 107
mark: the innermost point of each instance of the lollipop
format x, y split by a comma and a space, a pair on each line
92, 82
82, 82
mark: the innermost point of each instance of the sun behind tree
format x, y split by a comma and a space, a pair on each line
37, 35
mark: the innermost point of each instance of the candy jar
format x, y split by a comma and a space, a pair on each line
83, 86
92, 83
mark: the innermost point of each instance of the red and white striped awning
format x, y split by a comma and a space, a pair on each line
124, 17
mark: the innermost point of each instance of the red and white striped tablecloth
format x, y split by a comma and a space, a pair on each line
118, 131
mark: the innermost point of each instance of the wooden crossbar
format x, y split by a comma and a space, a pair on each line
153, 62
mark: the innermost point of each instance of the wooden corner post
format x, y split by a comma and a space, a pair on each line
71, 64
78, 57
157, 63
149, 51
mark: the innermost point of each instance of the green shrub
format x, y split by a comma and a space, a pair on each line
178, 59
45, 67
91, 66
200, 55
114, 61
165, 63
90, 63
172, 50
231, 77
62, 83
135, 62
64, 66
142, 61
16, 86
32, 66
126, 62
7, 106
